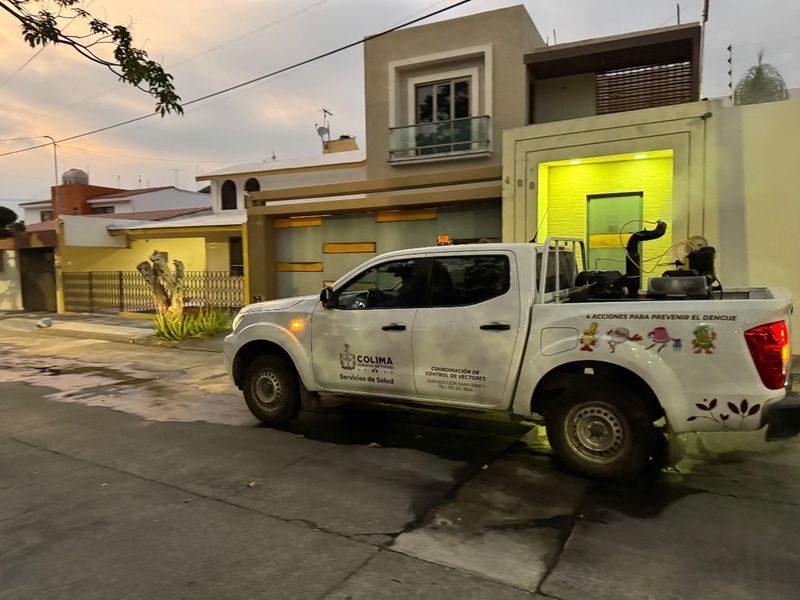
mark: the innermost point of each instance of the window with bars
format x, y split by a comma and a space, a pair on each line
102, 210
635, 88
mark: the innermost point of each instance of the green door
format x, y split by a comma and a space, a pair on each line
607, 216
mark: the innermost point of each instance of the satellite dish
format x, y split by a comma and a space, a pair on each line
323, 132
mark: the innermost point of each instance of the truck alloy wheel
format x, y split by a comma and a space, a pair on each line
602, 433
271, 390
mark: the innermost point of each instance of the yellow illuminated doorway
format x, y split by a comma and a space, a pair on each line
607, 217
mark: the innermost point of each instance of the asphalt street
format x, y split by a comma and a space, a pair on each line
137, 472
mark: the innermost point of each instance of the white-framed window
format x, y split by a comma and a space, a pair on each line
442, 100
440, 104
443, 96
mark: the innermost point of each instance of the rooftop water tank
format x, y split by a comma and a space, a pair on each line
75, 176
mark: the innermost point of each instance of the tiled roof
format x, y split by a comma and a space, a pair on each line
46, 226
148, 215
128, 193
153, 215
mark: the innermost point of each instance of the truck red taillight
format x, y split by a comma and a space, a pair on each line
769, 347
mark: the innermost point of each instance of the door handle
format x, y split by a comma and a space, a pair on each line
495, 327
394, 327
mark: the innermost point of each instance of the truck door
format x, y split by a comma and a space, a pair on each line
363, 342
466, 332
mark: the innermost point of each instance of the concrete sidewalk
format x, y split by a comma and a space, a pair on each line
110, 328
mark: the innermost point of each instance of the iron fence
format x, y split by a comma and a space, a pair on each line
112, 292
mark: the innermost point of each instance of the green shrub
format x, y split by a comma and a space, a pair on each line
205, 322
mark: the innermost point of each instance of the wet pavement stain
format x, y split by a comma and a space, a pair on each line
470, 438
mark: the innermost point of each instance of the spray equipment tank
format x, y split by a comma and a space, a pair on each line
633, 258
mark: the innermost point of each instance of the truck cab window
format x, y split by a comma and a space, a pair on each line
462, 280
393, 284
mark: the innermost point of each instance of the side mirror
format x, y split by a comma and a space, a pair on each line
326, 296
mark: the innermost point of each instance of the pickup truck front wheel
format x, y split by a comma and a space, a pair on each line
271, 391
602, 433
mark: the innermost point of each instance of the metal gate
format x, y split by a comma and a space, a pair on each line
112, 292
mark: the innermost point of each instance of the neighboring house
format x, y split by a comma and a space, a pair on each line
81, 255
438, 97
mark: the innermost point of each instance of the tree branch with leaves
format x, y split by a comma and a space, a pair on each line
43, 22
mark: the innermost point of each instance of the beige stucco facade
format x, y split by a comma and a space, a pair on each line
488, 47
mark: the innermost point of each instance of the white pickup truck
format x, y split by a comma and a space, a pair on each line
495, 327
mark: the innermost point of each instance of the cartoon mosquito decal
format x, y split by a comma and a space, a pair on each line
620, 335
660, 337
704, 338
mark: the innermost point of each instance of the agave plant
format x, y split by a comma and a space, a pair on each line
206, 322
761, 83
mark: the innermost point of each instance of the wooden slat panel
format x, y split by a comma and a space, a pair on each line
608, 240
393, 216
299, 222
299, 267
348, 247
644, 87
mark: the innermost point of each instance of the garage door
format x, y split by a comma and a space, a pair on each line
315, 251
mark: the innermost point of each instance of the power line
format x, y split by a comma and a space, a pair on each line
80, 150
250, 81
248, 34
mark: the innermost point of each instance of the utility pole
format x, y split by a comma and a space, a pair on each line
40, 137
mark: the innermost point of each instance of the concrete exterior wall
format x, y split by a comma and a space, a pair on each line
72, 199
119, 207
91, 231
168, 199
734, 179
32, 215
217, 256
496, 39
10, 289
562, 98
755, 210
192, 251
679, 128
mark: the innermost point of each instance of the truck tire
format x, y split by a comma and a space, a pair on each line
603, 433
271, 390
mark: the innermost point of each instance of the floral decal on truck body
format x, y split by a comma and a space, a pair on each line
743, 411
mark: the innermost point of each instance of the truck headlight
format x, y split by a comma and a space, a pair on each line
237, 319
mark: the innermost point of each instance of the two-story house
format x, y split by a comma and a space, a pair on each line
438, 98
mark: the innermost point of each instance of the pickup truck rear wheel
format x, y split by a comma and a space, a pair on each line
603, 433
271, 391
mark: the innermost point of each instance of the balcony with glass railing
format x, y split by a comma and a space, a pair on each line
439, 139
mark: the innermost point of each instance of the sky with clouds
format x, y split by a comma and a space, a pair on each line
210, 44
